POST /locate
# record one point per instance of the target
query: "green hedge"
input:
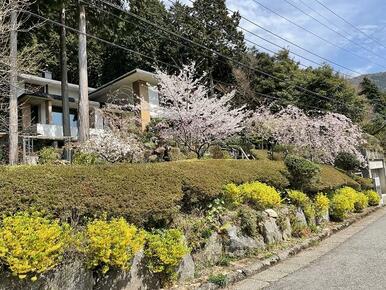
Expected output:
(135, 191)
(331, 179)
(138, 192)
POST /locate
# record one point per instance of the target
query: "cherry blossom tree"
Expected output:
(320, 136)
(193, 117)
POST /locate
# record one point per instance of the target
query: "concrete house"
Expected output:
(40, 106)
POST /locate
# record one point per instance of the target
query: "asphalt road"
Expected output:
(354, 258)
(357, 263)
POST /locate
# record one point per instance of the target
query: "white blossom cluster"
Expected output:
(320, 136)
(114, 147)
(194, 118)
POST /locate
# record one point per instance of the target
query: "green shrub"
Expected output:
(48, 155)
(347, 161)
(216, 152)
(302, 171)
(220, 280)
(365, 183)
(84, 158)
(322, 204)
(111, 244)
(331, 179)
(259, 154)
(164, 251)
(340, 207)
(258, 194)
(175, 154)
(31, 244)
(248, 221)
(197, 231)
(373, 197)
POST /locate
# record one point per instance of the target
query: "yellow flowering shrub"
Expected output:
(340, 206)
(361, 202)
(373, 197)
(232, 194)
(112, 244)
(31, 244)
(300, 199)
(322, 204)
(259, 194)
(350, 193)
(165, 251)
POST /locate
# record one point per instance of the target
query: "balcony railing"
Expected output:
(54, 132)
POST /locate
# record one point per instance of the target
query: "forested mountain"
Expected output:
(378, 78)
(151, 34)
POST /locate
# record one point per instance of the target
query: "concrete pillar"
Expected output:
(49, 112)
(26, 116)
(141, 92)
(43, 113)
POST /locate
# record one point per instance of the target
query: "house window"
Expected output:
(57, 117)
(153, 101)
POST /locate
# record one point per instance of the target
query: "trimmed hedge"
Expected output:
(331, 179)
(138, 192)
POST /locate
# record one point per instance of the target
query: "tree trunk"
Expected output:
(84, 123)
(13, 116)
(64, 76)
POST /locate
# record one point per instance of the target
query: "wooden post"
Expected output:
(84, 122)
(141, 91)
(13, 116)
(63, 66)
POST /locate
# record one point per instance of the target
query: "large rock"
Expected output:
(186, 269)
(212, 252)
(300, 217)
(71, 275)
(271, 213)
(238, 245)
(270, 230)
(323, 219)
(138, 278)
(285, 223)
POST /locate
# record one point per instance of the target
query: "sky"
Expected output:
(348, 50)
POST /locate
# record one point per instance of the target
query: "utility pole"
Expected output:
(64, 78)
(13, 123)
(84, 118)
(64, 75)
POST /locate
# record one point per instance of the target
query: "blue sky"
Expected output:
(366, 56)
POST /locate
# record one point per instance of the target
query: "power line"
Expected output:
(340, 34)
(352, 25)
(95, 37)
(324, 17)
(217, 81)
(167, 64)
(292, 43)
(218, 53)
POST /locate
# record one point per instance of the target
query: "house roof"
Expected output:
(44, 96)
(45, 81)
(128, 78)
